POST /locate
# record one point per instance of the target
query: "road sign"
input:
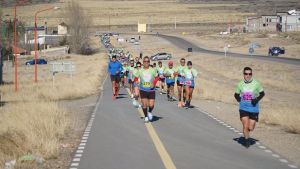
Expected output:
(62, 67)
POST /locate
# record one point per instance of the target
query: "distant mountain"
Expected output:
(8, 3)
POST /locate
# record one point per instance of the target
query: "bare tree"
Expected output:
(78, 23)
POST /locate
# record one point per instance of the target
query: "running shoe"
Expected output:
(150, 116)
(135, 103)
(132, 96)
(146, 120)
(179, 104)
(247, 143)
(114, 97)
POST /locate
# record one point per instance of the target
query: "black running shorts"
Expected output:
(115, 78)
(147, 95)
(252, 116)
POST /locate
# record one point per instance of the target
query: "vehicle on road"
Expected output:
(275, 51)
(132, 40)
(38, 61)
(161, 56)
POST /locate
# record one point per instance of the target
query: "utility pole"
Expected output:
(1, 66)
(175, 24)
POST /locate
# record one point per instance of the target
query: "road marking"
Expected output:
(160, 148)
(292, 166)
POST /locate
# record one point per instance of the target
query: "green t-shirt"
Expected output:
(160, 70)
(130, 71)
(146, 77)
(189, 74)
(249, 91)
(170, 75)
(179, 69)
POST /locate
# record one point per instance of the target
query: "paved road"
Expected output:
(184, 44)
(117, 138)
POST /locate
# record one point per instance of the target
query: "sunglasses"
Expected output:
(250, 74)
(138, 66)
(146, 61)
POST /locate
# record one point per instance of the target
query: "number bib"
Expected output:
(247, 96)
(146, 84)
(188, 82)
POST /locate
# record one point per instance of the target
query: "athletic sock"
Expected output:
(145, 111)
(150, 109)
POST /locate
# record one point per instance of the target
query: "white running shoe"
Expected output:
(150, 116)
(146, 120)
(132, 96)
(135, 103)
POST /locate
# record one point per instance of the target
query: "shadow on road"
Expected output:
(242, 141)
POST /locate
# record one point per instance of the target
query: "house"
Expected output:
(253, 24)
(62, 29)
(281, 22)
(269, 23)
(29, 33)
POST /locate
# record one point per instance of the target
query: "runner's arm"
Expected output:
(256, 100)
(237, 97)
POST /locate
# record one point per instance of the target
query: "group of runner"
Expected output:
(143, 78)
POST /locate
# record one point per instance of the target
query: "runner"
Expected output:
(129, 72)
(248, 93)
(136, 83)
(148, 79)
(114, 69)
(169, 73)
(160, 70)
(180, 83)
(189, 74)
(123, 73)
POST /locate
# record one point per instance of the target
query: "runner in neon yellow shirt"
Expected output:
(189, 74)
(160, 70)
(169, 73)
(180, 83)
(148, 79)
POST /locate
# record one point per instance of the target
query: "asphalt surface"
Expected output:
(119, 139)
(184, 44)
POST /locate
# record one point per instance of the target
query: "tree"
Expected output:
(78, 22)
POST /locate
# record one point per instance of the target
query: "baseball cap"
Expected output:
(170, 62)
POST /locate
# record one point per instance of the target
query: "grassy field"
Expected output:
(31, 122)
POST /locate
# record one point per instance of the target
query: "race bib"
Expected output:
(146, 84)
(189, 76)
(188, 82)
(247, 96)
(161, 76)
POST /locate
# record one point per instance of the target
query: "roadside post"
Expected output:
(251, 51)
(226, 50)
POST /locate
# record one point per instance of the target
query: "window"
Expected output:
(290, 27)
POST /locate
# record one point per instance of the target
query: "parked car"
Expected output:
(132, 40)
(161, 56)
(275, 51)
(38, 61)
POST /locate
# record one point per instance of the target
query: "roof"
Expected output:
(63, 24)
(31, 28)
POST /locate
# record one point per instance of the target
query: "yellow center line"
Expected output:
(160, 148)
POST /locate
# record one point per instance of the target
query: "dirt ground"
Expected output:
(216, 85)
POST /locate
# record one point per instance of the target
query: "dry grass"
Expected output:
(31, 120)
(132, 12)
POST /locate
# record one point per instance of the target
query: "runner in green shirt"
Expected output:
(180, 83)
(169, 73)
(189, 74)
(148, 79)
(160, 70)
(248, 93)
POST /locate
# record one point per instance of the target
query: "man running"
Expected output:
(114, 69)
(169, 73)
(248, 93)
(130, 77)
(123, 73)
(148, 79)
(160, 70)
(180, 83)
(189, 74)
